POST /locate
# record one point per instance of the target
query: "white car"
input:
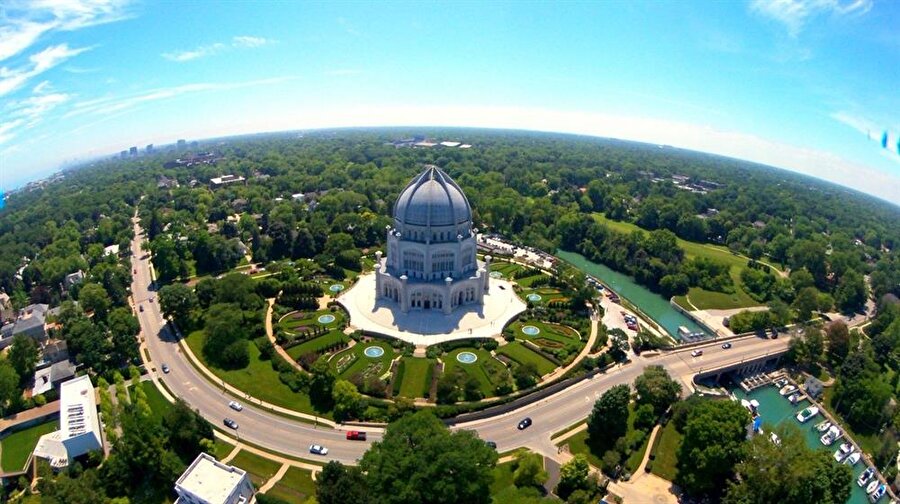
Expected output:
(318, 449)
(696, 353)
(236, 406)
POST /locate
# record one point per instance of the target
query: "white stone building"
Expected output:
(431, 262)
(208, 481)
(79, 425)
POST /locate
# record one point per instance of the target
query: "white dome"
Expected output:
(432, 199)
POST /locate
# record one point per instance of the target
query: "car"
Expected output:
(134, 271)
(230, 423)
(726, 345)
(141, 308)
(696, 353)
(525, 423)
(491, 444)
(318, 449)
(151, 299)
(501, 287)
(356, 435)
(236, 406)
(165, 368)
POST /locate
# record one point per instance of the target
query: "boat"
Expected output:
(754, 404)
(793, 398)
(853, 458)
(878, 493)
(823, 426)
(843, 451)
(787, 389)
(872, 486)
(834, 433)
(865, 476)
(781, 382)
(807, 413)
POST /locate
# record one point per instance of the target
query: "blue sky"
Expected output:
(808, 85)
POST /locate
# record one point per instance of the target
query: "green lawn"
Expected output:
(482, 370)
(258, 379)
(522, 354)
(223, 448)
(561, 334)
(259, 468)
(527, 281)
(159, 405)
(296, 485)
(507, 269)
(364, 363)
(317, 344)
(415, 376)
(547, 294)
(503, 476)
(578, 443)
(665, 451)
(703, 299)
(15, 448)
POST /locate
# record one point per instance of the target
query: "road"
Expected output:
(282, 435)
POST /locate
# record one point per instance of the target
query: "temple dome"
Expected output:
(432, 199)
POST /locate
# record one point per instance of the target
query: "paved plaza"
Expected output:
(429, 327)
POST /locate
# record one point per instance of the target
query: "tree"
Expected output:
(420, 461)
(806, 302)
(525, 375)
(338, 484)
(788, 473)
(23, 355)
(347, 400)
(529, 470)
(838, 337)
(93, 298)
(187, 430)
(609, 417)
(573, 475)
(851, 292)
(860, 393)
(655, 387)
(178, 301)
(9, 386)
(714, 437)
(321, 382)
(223, 332)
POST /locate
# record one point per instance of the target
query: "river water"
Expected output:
(653, 305)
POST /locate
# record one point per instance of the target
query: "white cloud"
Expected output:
(13, 79)
(23, 23)
(240, 42)
(794, 14)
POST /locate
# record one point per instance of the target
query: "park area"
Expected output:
(520, 353)
(413, 378)
(697, 298)
(581, 443)
(260, 469)
(506, 269)
(299, 322)
(296, 485)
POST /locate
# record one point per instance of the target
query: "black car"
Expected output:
(726, 345)
(491, 444)
(230, 423)
(525, 423)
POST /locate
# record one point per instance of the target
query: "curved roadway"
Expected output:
(282, 435)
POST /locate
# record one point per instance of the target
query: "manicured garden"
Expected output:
(414, 377)
(486, 370)
(523, 355)
(15, 448)
(296, 485)
(355, 360)
(259, 468)
(506, 269)
(299, 322)
(257, 379)
(318, 344)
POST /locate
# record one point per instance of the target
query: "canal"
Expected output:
(653, 305)
(776, 410)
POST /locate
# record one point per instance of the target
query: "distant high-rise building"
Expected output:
(123, 154)
(132, 151)
(182, 143)
(149, 148)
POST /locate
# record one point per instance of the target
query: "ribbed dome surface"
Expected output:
(432, 199)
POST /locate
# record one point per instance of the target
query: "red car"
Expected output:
(356, 435)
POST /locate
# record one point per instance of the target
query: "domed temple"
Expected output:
(431, 262)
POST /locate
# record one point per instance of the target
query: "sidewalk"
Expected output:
(577, 361)
(270, 333)
(28, 415)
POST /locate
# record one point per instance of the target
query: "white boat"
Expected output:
(834, 433)
(781, 382)
(872, 486)
(878, 493)
(793, 398)
(865, 476)
(787, 389)
(853, 458)
(754, 404)
(841, 453)
(807, 413)
(823, 426)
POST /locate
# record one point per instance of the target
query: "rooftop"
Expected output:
(78, 408)
(209, 479)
